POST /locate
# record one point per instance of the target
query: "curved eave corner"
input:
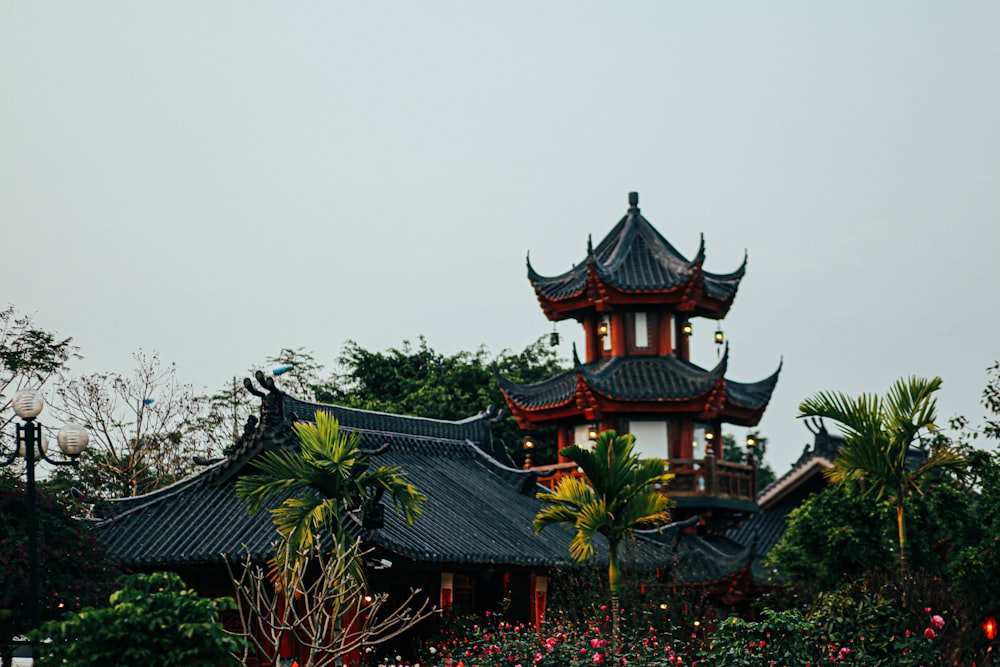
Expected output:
(761, 391)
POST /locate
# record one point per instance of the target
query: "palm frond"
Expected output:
(590, 520)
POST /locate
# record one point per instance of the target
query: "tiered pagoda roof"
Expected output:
(633, 384)
(635, 264)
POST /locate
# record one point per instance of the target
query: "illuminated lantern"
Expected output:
(990, 628)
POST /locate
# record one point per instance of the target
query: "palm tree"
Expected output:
(619, 496)
(319, 484)
(878, 434)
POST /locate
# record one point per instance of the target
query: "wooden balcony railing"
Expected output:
(693, 478)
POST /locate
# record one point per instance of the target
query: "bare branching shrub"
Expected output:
(319, 602)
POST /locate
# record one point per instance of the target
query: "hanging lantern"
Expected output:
(602, 328)
(990, 628)
(686, 329)
(592, 432)
(554, 338)
(719, 338)
(529, 442)
(751, 442)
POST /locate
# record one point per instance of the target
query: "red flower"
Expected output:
(929, 633)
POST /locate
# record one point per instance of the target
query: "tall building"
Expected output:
(637, 299)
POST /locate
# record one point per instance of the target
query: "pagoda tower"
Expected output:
(636, 296)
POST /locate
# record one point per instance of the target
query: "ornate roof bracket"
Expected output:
(586, 401)
(693, 291)
(597, 291)
(715, 402)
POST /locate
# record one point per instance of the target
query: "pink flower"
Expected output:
(604, 607)
(598, 658)
(929, 633)
(538, 657)
(927, 610)
(937, 622)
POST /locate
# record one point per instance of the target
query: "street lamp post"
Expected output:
(31, 443)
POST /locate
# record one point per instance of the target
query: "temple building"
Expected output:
(636, 297)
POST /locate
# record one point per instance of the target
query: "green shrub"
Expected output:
(153, 620)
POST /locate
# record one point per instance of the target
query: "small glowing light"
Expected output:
(368, 599)
(751, 443)
(990, 628)
(687, 328)
(664, 606)
(529, 442)
(719, 337)
(709, 436)
(697, 624)
(602, 329)
(592, 432)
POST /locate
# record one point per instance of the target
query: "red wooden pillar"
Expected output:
(565, 439)
(686, 448)
(683, 340)
(594, 341)
(665, 339)
(617, 334)
(447, 591)
(539, 590)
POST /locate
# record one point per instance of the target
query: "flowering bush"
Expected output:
(850, 626)
(845, 627)
(497, 643)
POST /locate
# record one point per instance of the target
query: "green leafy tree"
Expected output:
(75, 568)
(423, 382)
(619, 495)
(879, 433)
(330, 476)
(29, 357)
(833, 536)
(153, 620)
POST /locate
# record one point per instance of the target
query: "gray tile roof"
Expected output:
(634, 257)
(478, 510)
(640, 378)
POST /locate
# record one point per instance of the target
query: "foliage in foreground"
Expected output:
(333, 615)
(320, 484)
(495, 642)
(879, 432)
(77, 571)
(621, 493)
(153, 620)
(849, 626)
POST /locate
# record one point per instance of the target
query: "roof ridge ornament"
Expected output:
(590, 245)
(633, 202)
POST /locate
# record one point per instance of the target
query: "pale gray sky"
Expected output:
(217, 180)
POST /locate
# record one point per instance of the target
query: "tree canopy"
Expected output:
(29, 357)
(421, 381)
(879, 432)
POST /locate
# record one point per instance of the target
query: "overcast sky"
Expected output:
(218, 180)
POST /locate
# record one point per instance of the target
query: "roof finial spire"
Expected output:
(633, 201)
